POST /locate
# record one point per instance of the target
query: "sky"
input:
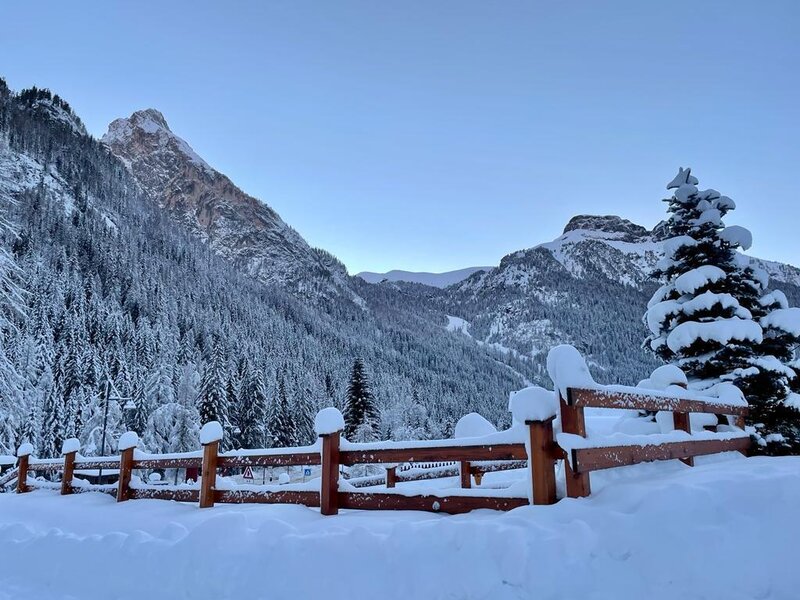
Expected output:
(434, 135)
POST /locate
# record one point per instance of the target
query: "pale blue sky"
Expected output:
(437, 135)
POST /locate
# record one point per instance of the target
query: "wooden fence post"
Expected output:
(572, 421)
(541, 462)
(478, 475)
(125, 469)
(69, 469)
(23, 456)
(682, 422)
(127, 444)
(391, 477)
(208, 477)
(466, 479)
(740, 423)
(329, 492)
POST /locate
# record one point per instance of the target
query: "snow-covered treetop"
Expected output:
(128, 440)
(473, 425)
(683, 177)
(211, 432)
(328, 420)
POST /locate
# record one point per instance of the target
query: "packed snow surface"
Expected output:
(473, 425)
(533, 403)
(70, 445)
(658, 531)
(328, 420)
(211, 432)
(128, 440)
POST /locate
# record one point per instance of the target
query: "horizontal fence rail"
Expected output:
(601, 398)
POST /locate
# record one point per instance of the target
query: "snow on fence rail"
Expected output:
(576, 390)
(531, 443)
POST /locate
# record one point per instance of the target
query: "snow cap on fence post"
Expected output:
(70, 445)
(25, 449)
(567, 368)
(663, 377)
(328, 420)
(211, 432)
(128, 440)
(532, 403)
(473, 425)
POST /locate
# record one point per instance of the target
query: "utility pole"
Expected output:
(108, 397)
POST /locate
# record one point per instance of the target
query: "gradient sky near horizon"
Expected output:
(438, 135)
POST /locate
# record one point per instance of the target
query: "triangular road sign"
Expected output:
(248, 473)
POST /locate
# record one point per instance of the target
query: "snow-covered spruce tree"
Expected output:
(361, 417)
(254, 409)
(304, 411)
(712, 316)
(281, 423)
(212, 398)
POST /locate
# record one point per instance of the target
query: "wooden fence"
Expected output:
(538, 452)
(579, 462)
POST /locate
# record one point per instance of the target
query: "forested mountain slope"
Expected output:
(112, 287)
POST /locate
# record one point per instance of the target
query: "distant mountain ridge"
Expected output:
(439, 280)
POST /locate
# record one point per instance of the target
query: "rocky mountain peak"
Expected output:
(207, 203)
(147, 132)
(606, 223)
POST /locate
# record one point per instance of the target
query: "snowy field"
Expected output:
(726, 528)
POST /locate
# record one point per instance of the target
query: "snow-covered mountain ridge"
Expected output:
(589, 287)
(439, 280)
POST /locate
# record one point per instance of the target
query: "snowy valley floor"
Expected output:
(727, 528)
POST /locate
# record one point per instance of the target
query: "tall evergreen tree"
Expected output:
(361, 417)
(304, 411)
(282, 428)
(712, 317)
(255, 408)
(212, 398)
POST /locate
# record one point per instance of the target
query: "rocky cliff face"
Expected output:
(206, 202)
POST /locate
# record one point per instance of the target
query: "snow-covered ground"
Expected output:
(726, 528)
